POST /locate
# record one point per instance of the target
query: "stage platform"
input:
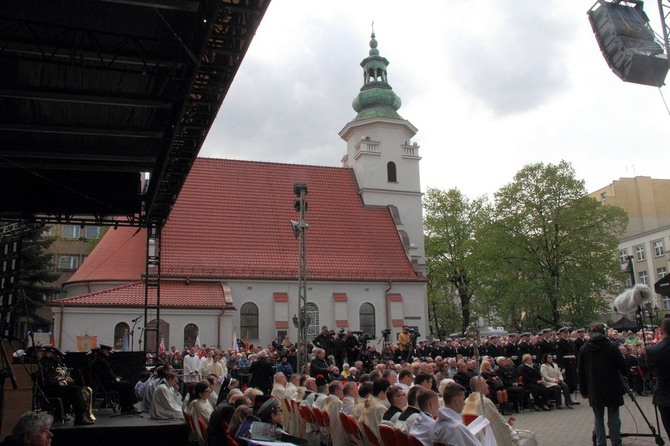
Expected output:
(126, 430)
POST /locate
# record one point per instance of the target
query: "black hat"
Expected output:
(106, 347)
(267, 409)
(511, 335)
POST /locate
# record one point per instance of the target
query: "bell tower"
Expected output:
(384, 158)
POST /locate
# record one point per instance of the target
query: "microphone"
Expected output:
(632, 298)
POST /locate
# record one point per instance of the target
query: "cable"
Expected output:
(664, 101)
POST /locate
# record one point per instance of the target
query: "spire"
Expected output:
(376, 99)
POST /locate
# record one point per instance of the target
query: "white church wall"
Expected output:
(100, 322)
(330, 312)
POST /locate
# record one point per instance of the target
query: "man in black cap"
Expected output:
(102, 370)
(511, 347)
(56, 382)
(566, 358)
(523, 348)
(449, 351)
(494, 348)
(545, 344)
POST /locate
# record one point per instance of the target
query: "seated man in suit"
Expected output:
(102, 369)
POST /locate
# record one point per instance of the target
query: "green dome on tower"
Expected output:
(376, 99)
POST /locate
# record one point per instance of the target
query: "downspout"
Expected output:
(60, 328)
(386, 302)
(218, 327)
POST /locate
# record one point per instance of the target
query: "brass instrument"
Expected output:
(87, 394)
(63, 374)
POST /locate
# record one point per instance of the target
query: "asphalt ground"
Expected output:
(575, 427)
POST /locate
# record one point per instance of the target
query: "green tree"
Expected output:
(555, 246)
(35, 271)
(451, 224)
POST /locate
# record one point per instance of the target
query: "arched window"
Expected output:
(367, 319)
(249, 321)
(163, 333)
(190, 335)
(312, 313)
(391, 175)
(121, 336)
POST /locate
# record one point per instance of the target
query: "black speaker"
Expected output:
(627, 43)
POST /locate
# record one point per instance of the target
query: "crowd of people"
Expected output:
(423, 389)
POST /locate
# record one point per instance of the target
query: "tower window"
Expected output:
(391, 172)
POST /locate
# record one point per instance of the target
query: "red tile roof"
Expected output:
(232, 220)
(173, 295)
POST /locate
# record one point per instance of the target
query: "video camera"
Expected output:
(363, 338)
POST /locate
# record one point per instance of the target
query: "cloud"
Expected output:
(290, 105)
(516, 63)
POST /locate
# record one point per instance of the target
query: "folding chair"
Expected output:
(110, 397)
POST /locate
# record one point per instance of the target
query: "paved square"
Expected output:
(574, 427)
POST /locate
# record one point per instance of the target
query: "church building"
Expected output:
(230, 258)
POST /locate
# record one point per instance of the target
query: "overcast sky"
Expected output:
(491, 86)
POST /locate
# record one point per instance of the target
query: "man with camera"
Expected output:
(352, 346)
(324, 340)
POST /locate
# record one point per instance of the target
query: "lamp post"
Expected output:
(631, 270)
(299, 228)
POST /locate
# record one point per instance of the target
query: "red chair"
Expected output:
(371, 437)
(401, 438)
(306, 414)
(191, 427)
(320, 420)
(203, 429)
(388, 435)
(231, 440)
(351, 428)
(413, 441)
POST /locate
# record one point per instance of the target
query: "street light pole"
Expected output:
(299, 228)
(631, 270)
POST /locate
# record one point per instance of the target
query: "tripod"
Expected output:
(659, 440)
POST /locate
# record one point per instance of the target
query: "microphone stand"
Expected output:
(132, 334)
